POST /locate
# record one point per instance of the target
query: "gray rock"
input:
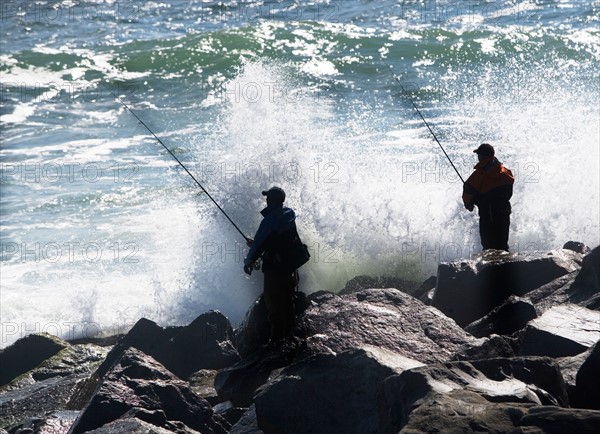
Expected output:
(588, 379)
(48, 387)
(577, 247)
(247, 424)
(585, 290)
(468, 290)
(552, 293)
(509, 317)
(203, 344)
(360, 283)
(462, 411)
(328, 393)
(131, 426)
(27, 353)
(427, 290)
(490, 347)
(386, 318)
(238, 382)
(254, 331)
(569, 367)
(464, 389)
(139, 387)
(561, 331)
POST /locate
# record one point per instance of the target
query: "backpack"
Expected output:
(290, 253)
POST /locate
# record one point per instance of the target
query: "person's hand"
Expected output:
(470, 207)
(248, 268)
(249, 242)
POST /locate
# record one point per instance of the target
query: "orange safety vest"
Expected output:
(490, 179)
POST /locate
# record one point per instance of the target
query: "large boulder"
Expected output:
(40, 396)
(463, 411)
(585, 290)
(386, 318)
(463, 387)
(509, 317)
(562, 331)
(328, 393)
(203, 344)
(138, 387)
(467, 290)
(569, 368)
(360, 283)
(588, 379)
(27, 353)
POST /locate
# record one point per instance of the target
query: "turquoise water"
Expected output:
(100, 227)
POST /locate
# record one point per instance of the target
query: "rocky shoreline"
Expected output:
(501, 343)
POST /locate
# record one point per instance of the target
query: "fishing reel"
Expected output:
(257, 264)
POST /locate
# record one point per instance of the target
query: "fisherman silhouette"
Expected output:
(275, 235)
(490, 187)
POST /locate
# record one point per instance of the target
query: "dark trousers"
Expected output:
(279, 301)
(493, 228)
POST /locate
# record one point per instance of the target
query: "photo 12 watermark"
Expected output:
(68, 172)
(225, 252)
(66, 91)
(69, 252)
(433, 253)
(437, 171)
(72, 12)
(11, 331)
(271, 171)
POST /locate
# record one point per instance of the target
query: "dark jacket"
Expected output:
(490, 187)
(275, 232)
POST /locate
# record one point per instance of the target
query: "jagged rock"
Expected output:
(588, 379)
(487, 348)
(54, 423)
(48, 387)
(462, 411)
(468, 290)
(576, 246)
(509, 317)
(254, 331)
(203, 384)
(329, 393)
(139, 387)
(247, 424)
(203, 344)
(238, 382)
(569, 367)
(552, 293)
(426, 290)
(463, 387)
(585, 290)
(561, 331)
(131, 426)
(27, 353)
(386, 318)
(360, 283)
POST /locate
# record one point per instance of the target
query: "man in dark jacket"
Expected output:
(490, 187)
(275, 233)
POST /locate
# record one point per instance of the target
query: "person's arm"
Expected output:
(469, 193)
(258, 245)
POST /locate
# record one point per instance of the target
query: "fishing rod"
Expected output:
(423, 118)
(184, 168)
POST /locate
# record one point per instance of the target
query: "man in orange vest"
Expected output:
(490, 187)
